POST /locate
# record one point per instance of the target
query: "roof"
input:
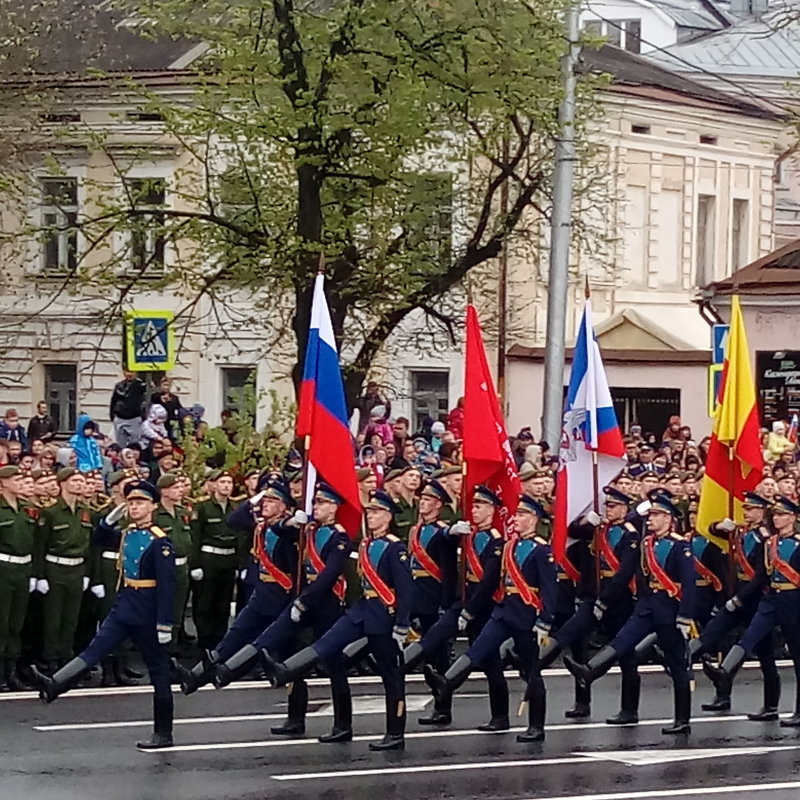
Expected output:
(675, 327)
(767, 47)
(694, 14)
(777, 271)
(612, 356)
(76, 36)
(638, 76)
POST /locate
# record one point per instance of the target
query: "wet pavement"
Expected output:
(82, 747)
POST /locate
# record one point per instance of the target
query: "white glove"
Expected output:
(542, 631)
(32, 585)
(296, 611)
(164, 637)
(732, 605)
(242, 574)
(643, 508)
(196, 574)
(462, 528)
(399, 634)
(257, 498)
(86, 583)
(599, 609)
(99, 591)
(297, 519)
(685, 629)
(464, 620)
(116, 513)
(42, 586)
(593, 518)
(727, 525)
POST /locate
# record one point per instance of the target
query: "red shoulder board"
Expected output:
(85, 517)
(32, 512)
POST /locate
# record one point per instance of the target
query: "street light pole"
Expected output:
(560, 238)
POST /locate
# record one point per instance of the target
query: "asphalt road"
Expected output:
(82, 747)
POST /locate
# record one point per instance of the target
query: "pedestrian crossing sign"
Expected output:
(149, 341)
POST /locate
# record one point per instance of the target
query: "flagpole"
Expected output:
(595, 486)
(731, 512)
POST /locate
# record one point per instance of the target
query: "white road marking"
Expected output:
(362, 680)
(696, 791)
(360, 773)
(646, 758)
(446, 733)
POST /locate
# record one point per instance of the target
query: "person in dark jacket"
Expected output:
(42, 425)
(125, 409)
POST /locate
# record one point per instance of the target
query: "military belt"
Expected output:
(511, 590)
(132, 583)
(179, 562)
(607, 573)
(783, 587)
(111, 555)
(370, 593)
(64, 562)
(420, 573)
(218, 551)
(265, 577)
(15, 559)
(702, 582)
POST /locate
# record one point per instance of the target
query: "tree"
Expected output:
(403, 145)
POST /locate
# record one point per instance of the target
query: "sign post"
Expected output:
(149, 341)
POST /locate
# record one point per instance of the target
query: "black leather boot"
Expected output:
(3, 681)
(537, 707)
(162, 725)
(583, 702)
(445, 685)
(498, 705)
(297, 666)
(412, 657)
(13, 679)
(62, 680)
(549, 653)
(342, 730)
(199, 675)
(629, 701)
(723, 675)
(226, 672)
(120, 675)
(394, 739)
(295, 723)
(683, 709)
(597, 665)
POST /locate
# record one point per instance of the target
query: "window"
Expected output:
(146, 197)
(643, 129)
(428, 217)
(707, 139)
(650, 408)
(239, 391)
(60, 387)
(739, 233)
(625, 33)
(429, 396)
(704, 249)
(59, 217)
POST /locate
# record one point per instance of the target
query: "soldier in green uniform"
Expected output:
(18, 522)
(176, 521)
(62, 550)
(452, 478)
(45, 488)
(217, 551)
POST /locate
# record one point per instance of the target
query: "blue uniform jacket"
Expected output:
(431, 595)
(771, 580)
(334, 547)
(751, 543)
(578, 553)
(624, 542)
(388, 555)
(147, 556)
(710, 556)
(279, 542)
(489, 548)
(674, 555)
(535, 560)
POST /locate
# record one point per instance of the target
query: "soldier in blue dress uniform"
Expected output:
(382, 615)
(711, 566)
(434, 567)
(483, 555)
(665, 586)
(777, 583)
(275, 549)
(142, 612)
(319, 606)
(616, 547)
(748, 556)
(525, 614)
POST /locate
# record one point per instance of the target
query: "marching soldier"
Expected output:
(434, 567)
(777, 583)
(319, 605)
(275, 549)
(747, 552)
(18, 525)
(483, 555)
(711, 568)
(63, 544)
(526, 611)
(176, 522)
(665, 585)
(617, 549)
(217, 552)
(382, 615)
(142, 612)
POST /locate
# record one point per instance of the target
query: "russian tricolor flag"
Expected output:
(590, 428)
(322, 416)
